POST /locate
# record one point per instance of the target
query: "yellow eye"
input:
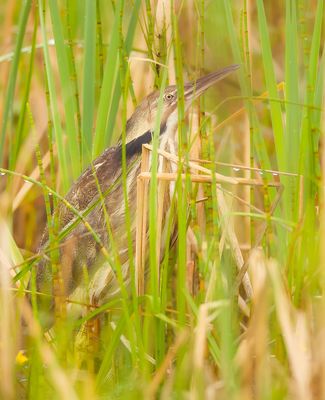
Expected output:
(169, 96)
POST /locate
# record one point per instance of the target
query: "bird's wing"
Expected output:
(76, 245)
(103, 172)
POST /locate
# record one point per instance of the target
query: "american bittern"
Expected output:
(79, 251)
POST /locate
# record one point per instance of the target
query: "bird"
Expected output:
(87, 275)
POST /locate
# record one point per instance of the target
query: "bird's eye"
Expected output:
(169, 96)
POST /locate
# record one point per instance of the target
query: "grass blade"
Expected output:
(13, 74)
(89, 81)
(67, 90)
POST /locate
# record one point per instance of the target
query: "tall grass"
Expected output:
(234, 308)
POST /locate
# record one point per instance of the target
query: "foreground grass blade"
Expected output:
(69, 99)
(89, 81)
(258, 141)
(64, 159)
(292, 111)
(271, 85)
(117, 91)
(106, 98)
(13, 74)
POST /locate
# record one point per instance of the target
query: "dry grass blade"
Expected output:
(166, 364)
(58, 375)
(252, 356)
(173, 158)
(232, 240)
(295, 334)
(8, 334)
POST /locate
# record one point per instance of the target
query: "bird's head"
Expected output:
(144, 117)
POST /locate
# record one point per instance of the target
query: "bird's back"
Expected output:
(100, 189)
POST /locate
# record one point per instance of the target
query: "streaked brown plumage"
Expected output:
(79, 250)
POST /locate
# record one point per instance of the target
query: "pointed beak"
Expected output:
(194, 89)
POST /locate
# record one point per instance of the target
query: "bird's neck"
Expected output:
(134, 146)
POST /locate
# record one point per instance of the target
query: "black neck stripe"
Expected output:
(134, 147)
